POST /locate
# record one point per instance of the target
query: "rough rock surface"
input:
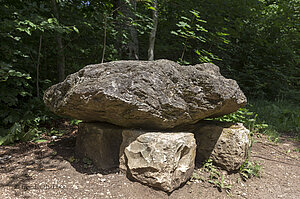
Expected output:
(149, 94)
(161, 160)
(226, 144)
(100, 142)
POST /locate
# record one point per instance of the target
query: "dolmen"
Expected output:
(147, 118)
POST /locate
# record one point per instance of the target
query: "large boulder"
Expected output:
(226, 144)
(162, 160)
(99, 142)
(149, 94)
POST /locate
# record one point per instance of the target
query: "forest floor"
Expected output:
(51, 170)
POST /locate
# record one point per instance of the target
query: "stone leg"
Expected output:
(226, 144)
(160, 159)
(99, 142)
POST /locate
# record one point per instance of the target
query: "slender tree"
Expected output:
(60, 53)
(134, 42)
(153, 32)
(125, 27)
(38, 67)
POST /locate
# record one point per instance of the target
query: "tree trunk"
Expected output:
(60, 59)
(132, 48)
(134, 43)
(104, 39)
(60, 53)
(38, 68)
(117, 16)
(153, 32)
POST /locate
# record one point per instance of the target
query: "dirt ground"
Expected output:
(51, 170)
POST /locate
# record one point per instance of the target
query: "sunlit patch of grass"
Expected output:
(272, 118)
(281, 116)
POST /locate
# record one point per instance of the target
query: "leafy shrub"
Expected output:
(21, 113)
(14, 89)
(245, 116)
(26, 127)
(249, 169)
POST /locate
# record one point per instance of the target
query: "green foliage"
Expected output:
(19, 120)
(246, 117)
(22, 131)
(191, 29)
(72, 159)
(14, 89)
(86, 160)
(282, 116)
(75, 122)
(273, 118)
(263, 55)
(55, 132)
(221, 185)
(213, 171)
(249, 169)
(196, 176)
(253, 42)
(21, 24)
(215, 177)
(297, 149)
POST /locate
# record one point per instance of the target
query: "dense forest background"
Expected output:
(255, 42)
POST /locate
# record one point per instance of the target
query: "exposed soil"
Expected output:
(51, 170)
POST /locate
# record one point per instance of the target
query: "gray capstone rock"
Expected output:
(148, 94)
(99, 142)
(161, 160)
(226, 144)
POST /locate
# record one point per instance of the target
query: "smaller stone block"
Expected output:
(226, 144)
(162, 160)
(100, 142)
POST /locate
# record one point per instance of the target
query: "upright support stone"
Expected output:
(162, 160)
(100, 142)
(226, 144)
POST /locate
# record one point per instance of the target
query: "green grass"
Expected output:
(281, 116)
(273, 118)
